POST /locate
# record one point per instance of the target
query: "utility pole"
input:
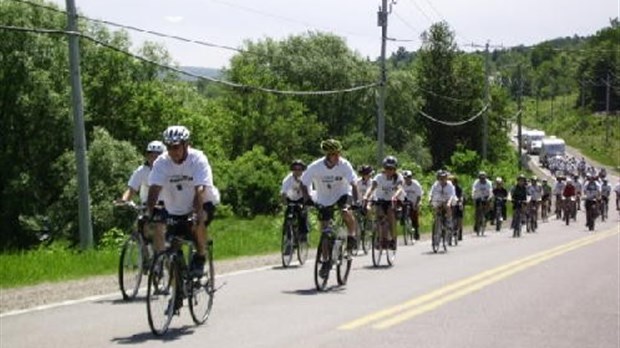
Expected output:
(86, 230)
(519, 112)
(382, 21)
(487, 99)
(608, 83)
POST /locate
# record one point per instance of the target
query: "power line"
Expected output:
(187, 73)
(453, 124)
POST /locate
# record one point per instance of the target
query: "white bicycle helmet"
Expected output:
(175, 135)
(155, 146)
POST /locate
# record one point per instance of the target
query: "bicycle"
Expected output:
(170, 281)
(481, 221)
(406, 223)
(544, 210)
(381, 242)
(569, 210)
(498, 216)
(604, 208)
(532, 215)
(441, 226)
(591, 211)
(292, 242)
(363, 235)
(332, 250)
(136, 255)
(517, 218)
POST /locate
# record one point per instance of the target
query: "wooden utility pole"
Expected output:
(519, 112)
(382, 21)
(86, 230)
(487, 100)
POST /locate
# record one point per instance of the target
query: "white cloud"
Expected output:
(173, 19)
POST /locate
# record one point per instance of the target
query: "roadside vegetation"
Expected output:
(251, 136)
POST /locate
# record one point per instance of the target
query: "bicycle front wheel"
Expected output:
(320, 280)
(407, 231)
(377, 249)
(130, 267)
(201, 294)
(436, 235)
(302, 249)
(287, 247)
(161, 293)
(345, 260)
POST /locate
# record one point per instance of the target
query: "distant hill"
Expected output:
(201, 71)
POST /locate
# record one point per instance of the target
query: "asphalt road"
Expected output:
(555, 288)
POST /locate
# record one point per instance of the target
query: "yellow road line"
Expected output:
(436, 298)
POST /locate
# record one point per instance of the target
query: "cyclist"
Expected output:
(388, 183)
(558, 190)
(592, 192)
(363, 184)
(481, 192)
(291, 193)
(617, 191)
(535, 192)
(569, 192)
(181, 176)
(605, 191)
(411, 191)
(335, 182)
(546, 194)
(458, 206)
(138, 184)
(578, 190)
(499, 192)
(519, 196)
(442, 194)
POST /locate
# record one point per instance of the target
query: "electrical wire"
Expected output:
(187, 73)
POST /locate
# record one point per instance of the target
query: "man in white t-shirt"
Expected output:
(334, 180)
(182, 178)
(411, 192)
(139, 180)
(386, 189)
(291, 192)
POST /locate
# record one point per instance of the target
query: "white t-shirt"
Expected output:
(617, 189)
(178, 181)
(481, 190)
(291, 187)
(330, 183)
(591, 190)
(386, 187)
(441, 194)
(139, 182)
(362, 188)
(412, 191)
(535, 191)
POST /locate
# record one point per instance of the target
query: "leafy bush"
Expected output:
(252, 183)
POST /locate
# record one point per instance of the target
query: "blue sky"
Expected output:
(230, 22)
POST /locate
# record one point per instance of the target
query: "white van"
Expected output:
(532, 137)
(551, 147)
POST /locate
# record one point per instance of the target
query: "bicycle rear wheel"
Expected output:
(130, 267)
(201, 293)
(377, 248)
(287, 247)
(302, 250)
(321, 282)
(366, 238)
(407, 231)
(161, 293)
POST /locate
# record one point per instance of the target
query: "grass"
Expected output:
(233, 237)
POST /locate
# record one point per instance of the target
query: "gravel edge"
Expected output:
(49, 293)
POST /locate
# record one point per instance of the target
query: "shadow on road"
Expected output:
(335, 289)
(173, 334)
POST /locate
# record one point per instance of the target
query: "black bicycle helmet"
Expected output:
(365, 170)
(390, 162)
(298, 163)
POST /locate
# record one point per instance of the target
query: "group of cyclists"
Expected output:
(175, 186)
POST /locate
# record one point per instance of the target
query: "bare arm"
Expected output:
(152, 198)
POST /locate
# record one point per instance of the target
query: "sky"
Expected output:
(504, 23)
